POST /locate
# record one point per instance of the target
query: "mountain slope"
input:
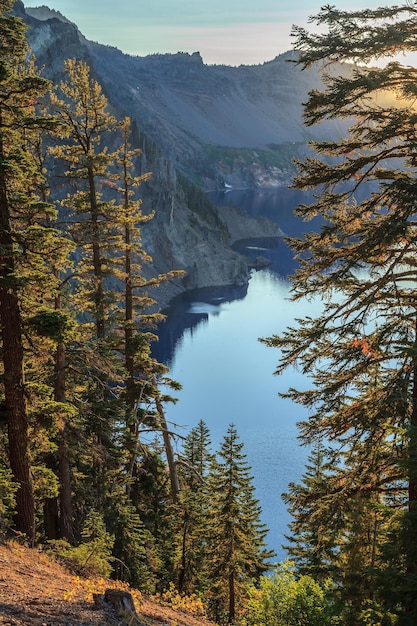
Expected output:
(188, 108)
(208, 125)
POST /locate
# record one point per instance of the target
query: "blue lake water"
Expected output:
(211, 343)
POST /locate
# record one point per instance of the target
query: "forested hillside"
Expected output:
(187, 231)
(89, 464)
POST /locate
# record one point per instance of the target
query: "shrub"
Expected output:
(93, 556)
(181, 602)
(282, 599)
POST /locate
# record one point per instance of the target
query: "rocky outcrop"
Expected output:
(215, 126)
(239, 125)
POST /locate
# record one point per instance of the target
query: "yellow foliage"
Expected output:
(85, 588)
(180, 602)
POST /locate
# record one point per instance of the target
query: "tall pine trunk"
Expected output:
(14, 391)
(231, 616)
(172, 467)
(65, 498)
(97, 260)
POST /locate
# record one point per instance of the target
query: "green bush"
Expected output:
(282, 599)
(93, 556)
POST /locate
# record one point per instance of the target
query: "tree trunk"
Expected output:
(66, 530)
(65, 498)
(129, 353)
(231, 616)
(97, 262)
(181, 575)
(173, 474)
(15, 401)
(124, 605)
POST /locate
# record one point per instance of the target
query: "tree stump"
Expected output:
(123, 603)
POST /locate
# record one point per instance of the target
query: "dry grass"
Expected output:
(37, 591)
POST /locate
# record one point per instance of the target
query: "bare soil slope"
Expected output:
(36, 591)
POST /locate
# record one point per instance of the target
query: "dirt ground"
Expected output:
(36, 591)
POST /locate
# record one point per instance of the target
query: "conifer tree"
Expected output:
(107, 231)
(151, 497)
(313, 537)
(142, 373)
(86, 124)
(52, 327)
(194, 466)
(21, 236)
(236, 549)
(87, 129)
(360, 352)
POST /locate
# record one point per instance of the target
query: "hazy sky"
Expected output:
(232, 32)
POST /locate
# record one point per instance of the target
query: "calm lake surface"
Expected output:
(211, 343)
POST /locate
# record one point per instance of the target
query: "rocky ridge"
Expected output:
(215, 126)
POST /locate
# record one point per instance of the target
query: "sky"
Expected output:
(230, 32)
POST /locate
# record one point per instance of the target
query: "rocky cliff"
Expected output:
(207, 126)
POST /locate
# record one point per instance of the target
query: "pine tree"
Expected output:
(194, 465)
(236, 549)
(313, 540)
(151, 497)
(143, 374)
(22, 234)
(361, 351)
(86, 131)
(86, 124)
(52, 326)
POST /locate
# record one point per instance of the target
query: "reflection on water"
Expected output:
(211, 343)
(187, 311)
(276, 205)
(227, 376)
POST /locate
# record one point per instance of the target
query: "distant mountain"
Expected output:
(45, 13)
(242, 125)
(200, 127)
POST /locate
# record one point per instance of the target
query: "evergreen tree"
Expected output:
(86, 124)
(22, 237)
(151, 497)
(143, 374)
(236, 549)
(194, 466)
(52, 327)
(313, 537)
(86, 131)
(134, 551)
(361, 351)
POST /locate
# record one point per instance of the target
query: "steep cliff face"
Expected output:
(236, 125)
(239, 125)
(215, 125)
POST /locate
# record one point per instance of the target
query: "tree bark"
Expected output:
(97, 261)
(231, 616)
(66, 530)
(14, 391)
(173, 474)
